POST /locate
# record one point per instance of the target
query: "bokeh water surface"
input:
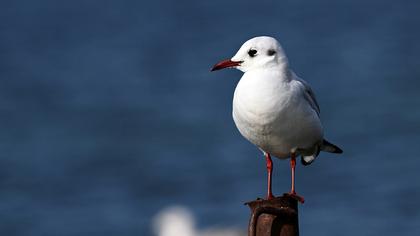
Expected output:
(108, 113)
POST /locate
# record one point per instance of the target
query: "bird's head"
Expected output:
(256, 53)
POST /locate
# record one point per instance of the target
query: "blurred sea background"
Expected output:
(109, 114)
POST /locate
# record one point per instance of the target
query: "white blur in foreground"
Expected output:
(179, 221)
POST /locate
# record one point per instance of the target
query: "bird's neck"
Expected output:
(278, 71)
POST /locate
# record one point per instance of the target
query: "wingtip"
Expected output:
(307, 160)
(304, 162)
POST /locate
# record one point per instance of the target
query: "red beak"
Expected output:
(225, 64)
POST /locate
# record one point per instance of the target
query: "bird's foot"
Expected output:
(270, 196)
(295, 196)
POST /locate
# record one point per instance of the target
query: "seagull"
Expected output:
(275, 109)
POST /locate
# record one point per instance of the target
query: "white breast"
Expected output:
(270, 112)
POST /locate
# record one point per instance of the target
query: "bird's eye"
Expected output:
(252, 52)
(271, 52)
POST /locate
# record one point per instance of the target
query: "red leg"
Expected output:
(269, 171)
(293, 167)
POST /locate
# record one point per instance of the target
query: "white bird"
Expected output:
(275, 109)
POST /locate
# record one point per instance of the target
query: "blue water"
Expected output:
(108, 113)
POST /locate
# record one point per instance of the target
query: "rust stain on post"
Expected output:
(275, 217)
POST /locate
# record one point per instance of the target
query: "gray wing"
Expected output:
(309, 95)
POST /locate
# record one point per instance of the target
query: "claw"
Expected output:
(270, 196)
(295, 196)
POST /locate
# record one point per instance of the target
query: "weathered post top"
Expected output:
(274, 217)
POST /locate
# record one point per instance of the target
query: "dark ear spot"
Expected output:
(252, 52)
(271, 52)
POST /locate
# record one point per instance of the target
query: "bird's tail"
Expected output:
(326, 147)
(329, 147)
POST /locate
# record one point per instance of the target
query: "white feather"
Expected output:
(269, 105)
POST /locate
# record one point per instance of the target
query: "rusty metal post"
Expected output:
(275, 217)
